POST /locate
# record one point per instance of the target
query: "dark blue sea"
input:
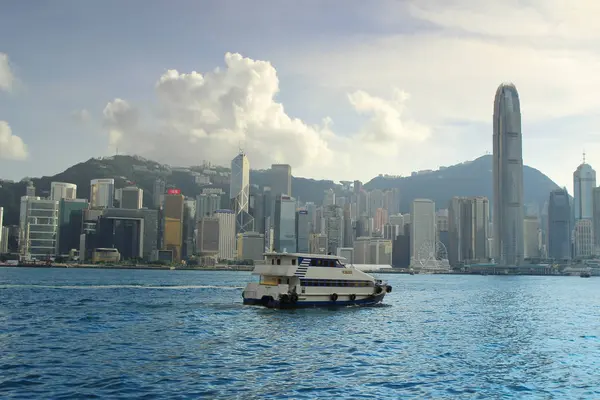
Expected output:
(86, 333)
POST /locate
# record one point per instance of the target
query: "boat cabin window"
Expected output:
(272, 261)
(316, 262)
(293, 261)
(279, 261)
(269, 280)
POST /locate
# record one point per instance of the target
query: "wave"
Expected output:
(99, 287)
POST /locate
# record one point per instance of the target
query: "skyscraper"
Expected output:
(423, 230)
(281, 179)
(239, 193)
(102, 193)
(584, 181)
(508, 177)
(63, 190)
(132, 197)
(173, 223)
(285, 224)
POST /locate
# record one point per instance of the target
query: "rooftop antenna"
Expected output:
(584, 156)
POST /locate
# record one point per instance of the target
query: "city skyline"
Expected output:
(89, 104)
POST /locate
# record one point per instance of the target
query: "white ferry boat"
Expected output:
(294, 280)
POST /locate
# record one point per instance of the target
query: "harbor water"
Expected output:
(90, 333)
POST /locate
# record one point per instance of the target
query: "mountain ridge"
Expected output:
(471, 178)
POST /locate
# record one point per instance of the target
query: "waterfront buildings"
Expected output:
(303, 226)
(508, 177)
(70, 222)
(38, 223)
(531, 236)
(173, 223)
(207, 242)
(559, 225)
(250, 246)
(227, 235)
(468, 234)
(423, 230)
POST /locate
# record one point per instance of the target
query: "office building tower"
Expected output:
(357, 187)
(227, 235)
(70, 223)
(347, 253)
(531, 236)
(348, 226)
(4, 235)
(584, 181)
(158, 193)
(102, 193)
(173, 223)
(468, 230)
(596, 219)
(559, 225)
(189, 227)
(239, 193)
(329, 198)
(207, 204)
(318, 243)
(508, 177)
(584, 238)
(281, 179)
(302, 231)
(38, 225)
(250, 246)
(132, 198)
(423, 233)
(381, 218)
(375, 202)
(2, 238)
(285, 224)
(380, 251)
(63, 190)
(207, 241)
(334, 228)
(134, 232)
(257, 209)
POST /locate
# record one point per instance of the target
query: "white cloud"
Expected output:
(206, 117)
(11, 146)
(6, 75)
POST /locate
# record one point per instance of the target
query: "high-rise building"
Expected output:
(318, 243)
(189, 227)
(158, 193)
(329, 198)
(70, 223)
(135, 230)
(596, 219)
(584, 181)
(375, 202)
(173, 223)
(239, 193)
(226, 234)
(63, 190)
(302, 231)
(281, 179)
(334, 228)
(559, 225)
(423, 230)
(285, 224)
(132, 198)
(38, 227)
(584, 239)
(348, 226)
(250, 246)
(207, 242)
(207, 204)
(4, 239)
(508, 177)
(468, 224)
(2, 230)
(102, 193)
(531, 235)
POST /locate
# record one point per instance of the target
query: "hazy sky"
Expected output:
(339, 89)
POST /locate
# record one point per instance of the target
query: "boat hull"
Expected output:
(271, 303)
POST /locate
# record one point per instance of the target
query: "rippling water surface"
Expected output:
(72, 333)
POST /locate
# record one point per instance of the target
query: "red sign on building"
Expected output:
(174, 191)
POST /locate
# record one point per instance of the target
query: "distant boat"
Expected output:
(585, 274)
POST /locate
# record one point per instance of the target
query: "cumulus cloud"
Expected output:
(6, 75)
(11, 146)
(208, 116)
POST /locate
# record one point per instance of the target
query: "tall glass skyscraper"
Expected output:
(584, 181)
(508, 177)
(239, 193)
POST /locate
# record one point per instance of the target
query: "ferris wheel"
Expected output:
(432, 255)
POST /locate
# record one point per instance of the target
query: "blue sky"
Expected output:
(337, 89)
